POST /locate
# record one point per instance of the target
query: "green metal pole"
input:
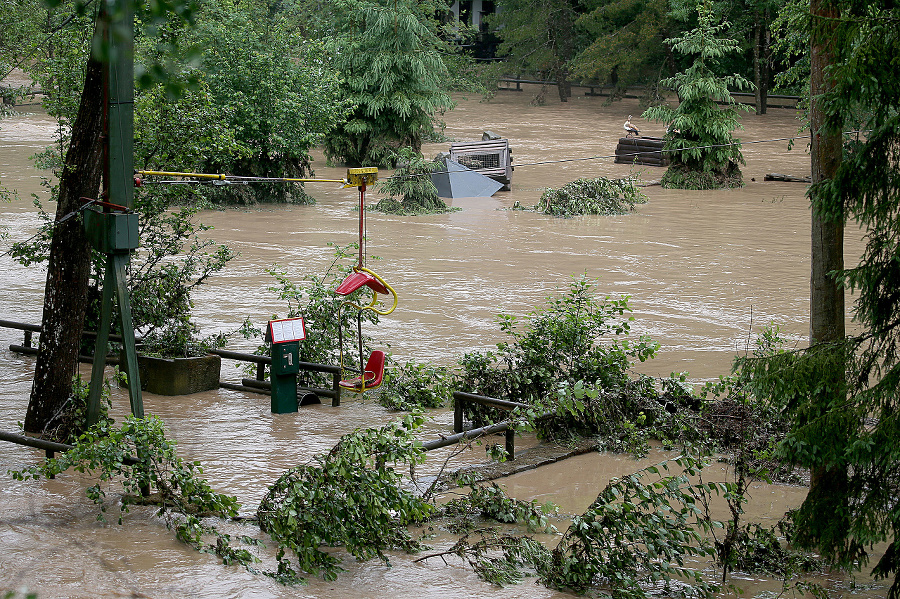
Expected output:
(120, 261)
(121, 109)
(100, 349)
(119, 187)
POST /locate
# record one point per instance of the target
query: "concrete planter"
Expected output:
(178, 376)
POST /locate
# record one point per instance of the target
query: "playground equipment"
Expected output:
(371, 371)
(285, 335)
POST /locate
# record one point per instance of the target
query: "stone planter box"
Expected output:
(178, 376)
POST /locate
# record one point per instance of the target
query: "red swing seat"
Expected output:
(357, 279)
(374, 374)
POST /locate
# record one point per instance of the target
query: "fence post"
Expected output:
(336, 387)
(457, 414)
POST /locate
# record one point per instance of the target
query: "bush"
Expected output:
(592, 196)
(574, 337)
(412, 183)
(413, 385)
(350, 497)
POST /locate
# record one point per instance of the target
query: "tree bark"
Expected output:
(65, 294)
(761, 56)
(824, 501)
(826, 294)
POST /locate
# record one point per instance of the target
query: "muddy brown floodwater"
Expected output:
(704, 270)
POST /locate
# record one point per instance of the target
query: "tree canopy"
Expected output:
(391, 64)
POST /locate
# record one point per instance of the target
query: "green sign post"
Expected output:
(285, 336)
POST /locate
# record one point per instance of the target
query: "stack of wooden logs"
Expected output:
(645, 151)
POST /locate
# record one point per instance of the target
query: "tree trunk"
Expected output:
(827, 315)
(564, 86)
(65, 294)
(826, 294)
(761, 56)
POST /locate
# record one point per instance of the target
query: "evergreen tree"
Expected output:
(704, 153)
(393, 72)
(844, 394)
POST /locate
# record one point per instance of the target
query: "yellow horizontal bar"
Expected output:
(220, 177)
(224, 177)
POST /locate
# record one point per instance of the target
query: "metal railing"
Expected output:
(460, 399)
(30, 329)
(262, 386)
(597, 89)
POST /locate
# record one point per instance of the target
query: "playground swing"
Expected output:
(371, 371)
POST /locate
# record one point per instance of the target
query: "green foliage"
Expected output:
(500, 558)
(592, 196)
(761, 550)
(138, 457)
(70, 421)
(623, 416)
(626, 46)
(183, 134)
(791, 30)
(179, 339)
(704, 153)
(639, 533)
(842, 397)
(176, 256)
(491, 501)
(351, 497)
(739, 416)
(412, 183)
(415, 385)
(273, 89)
(539, 36)
(633, 540)
(574, 337)
(393, 73)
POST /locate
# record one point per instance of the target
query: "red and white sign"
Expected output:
(287, 329)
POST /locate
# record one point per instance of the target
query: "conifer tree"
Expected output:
(843, 394)
(704, 153)
(393, 71)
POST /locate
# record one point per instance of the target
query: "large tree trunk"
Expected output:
(826, 294)
(65, 294)
(824, 501)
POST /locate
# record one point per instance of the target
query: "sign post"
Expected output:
(285, 337)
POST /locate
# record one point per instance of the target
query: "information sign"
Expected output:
(288, 329)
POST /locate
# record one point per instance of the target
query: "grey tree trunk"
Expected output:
(65, 294)
(826, 295)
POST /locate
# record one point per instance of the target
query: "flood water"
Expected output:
(704, 270)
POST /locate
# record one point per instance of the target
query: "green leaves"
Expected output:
(351, 497)
(411, 182)
(592, 196)
(138, 457)
(637, 532)
(570, 359)
(393, 73)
